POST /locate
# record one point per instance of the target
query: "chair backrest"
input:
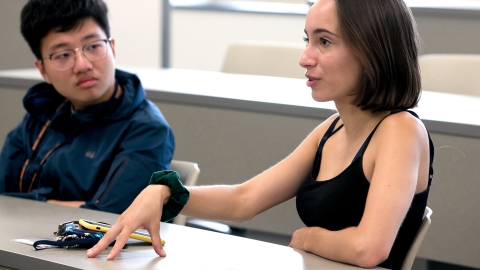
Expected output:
(412, 252)
(188, 172)
(264, 58)
(451, 73)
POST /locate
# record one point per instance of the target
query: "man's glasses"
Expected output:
(93, 51)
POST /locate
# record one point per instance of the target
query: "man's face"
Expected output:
(86, 83)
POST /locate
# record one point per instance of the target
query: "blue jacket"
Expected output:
(103, 155)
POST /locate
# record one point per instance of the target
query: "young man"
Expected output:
(89, 139)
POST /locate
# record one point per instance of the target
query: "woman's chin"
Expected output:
(320, 98)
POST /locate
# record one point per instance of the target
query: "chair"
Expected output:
(412, 252)
(188, 172)
(264, 58)
(451, 73)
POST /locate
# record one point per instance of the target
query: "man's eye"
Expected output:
(94, 46)
(61, 56)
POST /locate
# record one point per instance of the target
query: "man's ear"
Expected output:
(112, 44)
(41, 68)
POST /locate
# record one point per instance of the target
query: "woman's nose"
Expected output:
(306, 59)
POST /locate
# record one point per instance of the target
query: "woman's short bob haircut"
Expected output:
(383, 35)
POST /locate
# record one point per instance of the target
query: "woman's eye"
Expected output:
(324, 42)
(305, 39)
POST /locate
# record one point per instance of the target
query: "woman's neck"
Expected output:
(357, 121)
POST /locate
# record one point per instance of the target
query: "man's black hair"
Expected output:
(38, 17)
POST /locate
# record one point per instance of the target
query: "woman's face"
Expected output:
(333, 71)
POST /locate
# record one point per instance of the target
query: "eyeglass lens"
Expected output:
(93, 51)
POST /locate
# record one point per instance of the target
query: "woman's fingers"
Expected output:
(106, 240)
(144, 212)
(154, 231)
(121, 241)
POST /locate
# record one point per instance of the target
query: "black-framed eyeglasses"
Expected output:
(93, 51)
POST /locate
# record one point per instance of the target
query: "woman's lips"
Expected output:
(312, 81)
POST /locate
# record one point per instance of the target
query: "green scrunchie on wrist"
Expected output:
(179, 194)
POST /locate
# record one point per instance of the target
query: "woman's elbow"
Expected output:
(245, 208)
(240, 219)
(371, 256)
(244, 214)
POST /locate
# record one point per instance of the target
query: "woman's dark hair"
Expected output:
(38, 17)
(383, 35)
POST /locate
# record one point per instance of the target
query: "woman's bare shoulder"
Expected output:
(403, 127)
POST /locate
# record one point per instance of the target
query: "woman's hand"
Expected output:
(299, 238)
(144, 213)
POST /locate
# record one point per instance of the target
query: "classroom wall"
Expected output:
(448, 33)
(199, 38)
(14, 51)
(135, 25)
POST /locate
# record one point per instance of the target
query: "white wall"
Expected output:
(14, 52)
(278, 1)
(200, 38)
(136, 27)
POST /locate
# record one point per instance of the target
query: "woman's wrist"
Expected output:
(165, 193)
(309, 235)
(172, 193)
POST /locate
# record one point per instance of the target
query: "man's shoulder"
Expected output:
(148, 114)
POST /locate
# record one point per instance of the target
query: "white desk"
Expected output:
(187, 248)
(236, 126)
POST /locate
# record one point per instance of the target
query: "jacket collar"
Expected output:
(43, 101)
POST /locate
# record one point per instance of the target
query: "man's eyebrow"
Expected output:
(88, 37)
(64, 44)
(57, 46)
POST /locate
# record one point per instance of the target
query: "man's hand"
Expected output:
(67, 203)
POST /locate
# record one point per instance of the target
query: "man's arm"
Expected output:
(12, 157)
(67, 203)
(145, 149)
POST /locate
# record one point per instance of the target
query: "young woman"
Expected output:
(362, 177)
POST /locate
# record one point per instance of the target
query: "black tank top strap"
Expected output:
(367, 141)
(318, 156)
(430, 143)
(337, 129)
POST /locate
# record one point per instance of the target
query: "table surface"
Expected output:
(441, 112)
(186, 248)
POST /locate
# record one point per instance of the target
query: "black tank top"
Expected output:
(339, 203)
